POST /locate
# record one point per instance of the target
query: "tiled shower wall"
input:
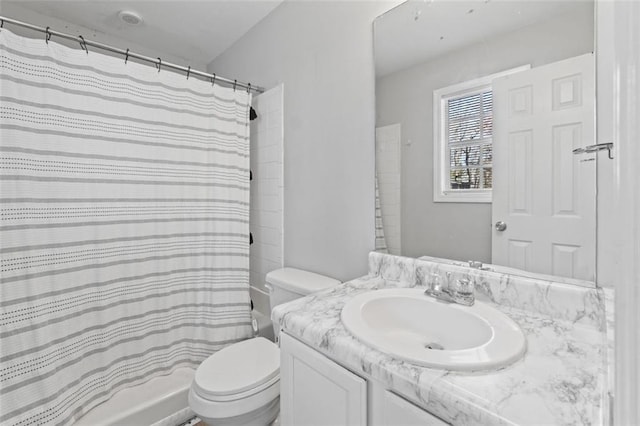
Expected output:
(267, 198)
(388, 166)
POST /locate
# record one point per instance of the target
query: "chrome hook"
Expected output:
(83, 44)
(213, 80)
(234, 84)
(188, 72)
(595, 148)
(1, 23)
(47, 35)
(126, 57)
(249, 88)
(159, 64)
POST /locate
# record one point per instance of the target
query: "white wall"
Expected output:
(267, 197)
(460, 231)
(623, 38)
(323, 53)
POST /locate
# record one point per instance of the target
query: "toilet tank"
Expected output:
(287, 284)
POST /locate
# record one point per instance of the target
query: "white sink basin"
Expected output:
(409, 325)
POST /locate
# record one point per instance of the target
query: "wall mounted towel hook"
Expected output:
(249, 88)
(126, 57)
(83, 44)
(188, 72)
(213, 80)
(159, 64)
(1, 23)
(234, 84)
(47, 35)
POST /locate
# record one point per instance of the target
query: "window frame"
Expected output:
(441, 165)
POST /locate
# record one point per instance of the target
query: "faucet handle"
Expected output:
(463, 286)
(435, 282)
(463, 291)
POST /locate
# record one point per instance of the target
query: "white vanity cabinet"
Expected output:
(316, 391)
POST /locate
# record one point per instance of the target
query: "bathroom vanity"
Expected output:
(328, 376)
(317, 390)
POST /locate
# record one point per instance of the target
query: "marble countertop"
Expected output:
(561, 380)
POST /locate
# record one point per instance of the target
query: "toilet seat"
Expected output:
(237, 379)
(237, 396)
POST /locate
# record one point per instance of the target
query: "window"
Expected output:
(463, 132)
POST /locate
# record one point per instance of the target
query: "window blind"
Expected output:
(469, 125)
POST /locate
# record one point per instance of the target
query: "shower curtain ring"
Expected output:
(188, 72)
(159, 64)
(83, 44)
(126, 57)
(47, 35)
(213, 80)
(234, 84)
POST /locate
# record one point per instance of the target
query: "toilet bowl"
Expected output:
(240, 384)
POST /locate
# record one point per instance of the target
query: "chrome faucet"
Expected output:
(475, 264)
(460, 292)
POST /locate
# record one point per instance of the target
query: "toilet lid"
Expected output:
(237, 368)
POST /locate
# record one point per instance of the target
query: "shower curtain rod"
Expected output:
(128, 54)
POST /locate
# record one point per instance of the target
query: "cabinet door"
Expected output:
(315, 391)
(388, 409)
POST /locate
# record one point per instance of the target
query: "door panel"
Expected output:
(315, 391)
(565, 186)
(520, 169)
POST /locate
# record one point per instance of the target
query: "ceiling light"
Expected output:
(129, 17)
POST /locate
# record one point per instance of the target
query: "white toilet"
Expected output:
(240, 384)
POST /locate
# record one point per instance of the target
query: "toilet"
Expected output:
(240, 384)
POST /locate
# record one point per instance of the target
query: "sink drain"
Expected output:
(434, 346)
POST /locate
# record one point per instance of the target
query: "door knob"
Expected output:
(501, 226)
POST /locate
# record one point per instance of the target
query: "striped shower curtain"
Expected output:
(124, 226)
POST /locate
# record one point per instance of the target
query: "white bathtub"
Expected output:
(160, 401)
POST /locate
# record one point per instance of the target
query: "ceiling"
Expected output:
(191, 30)
(419, 30)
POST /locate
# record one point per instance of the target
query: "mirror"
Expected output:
(476, 125)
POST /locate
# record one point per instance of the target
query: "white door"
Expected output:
(542, 192)
(315, 391)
